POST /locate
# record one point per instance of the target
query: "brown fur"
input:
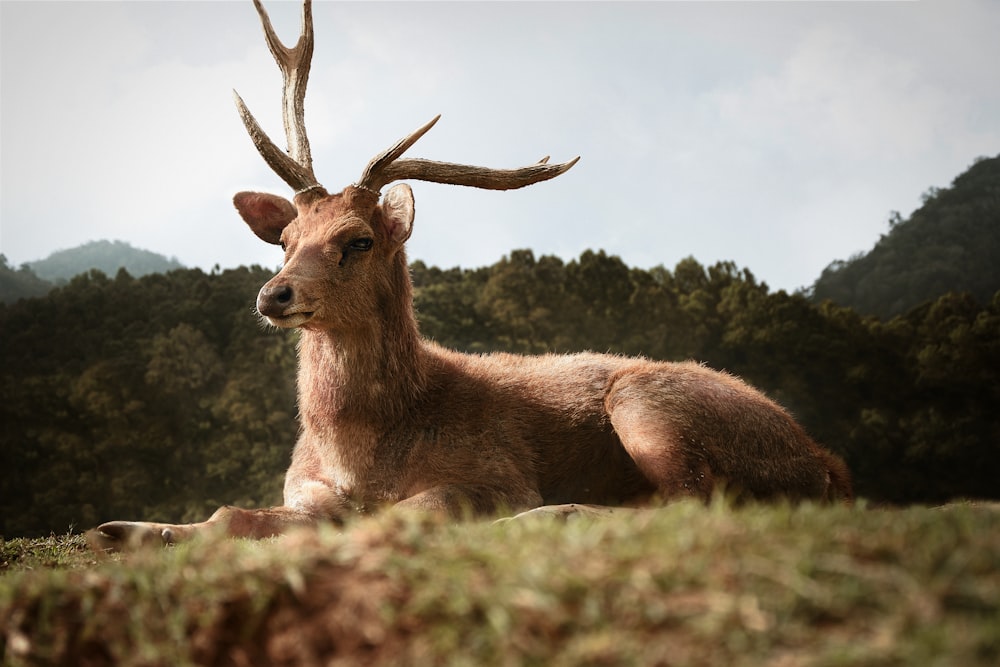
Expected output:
(391, 419)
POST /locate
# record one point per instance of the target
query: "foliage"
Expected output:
(20, 284)
(951, 243)
(162, 398)
(681, 585)
(157, 397)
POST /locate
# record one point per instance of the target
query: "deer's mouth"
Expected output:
(289, 321)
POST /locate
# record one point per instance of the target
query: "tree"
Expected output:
(951, 243)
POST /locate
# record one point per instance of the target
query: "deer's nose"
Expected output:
(274, 299)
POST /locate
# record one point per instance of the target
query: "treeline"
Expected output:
(20, 283)
(37, 278)
(106, 256)
(162, 397)
(950, 243)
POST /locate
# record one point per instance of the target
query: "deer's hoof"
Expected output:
(128, 536)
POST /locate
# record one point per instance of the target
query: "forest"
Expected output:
(162, 397)
(951, 243)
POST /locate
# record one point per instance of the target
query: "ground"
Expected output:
(683, 584)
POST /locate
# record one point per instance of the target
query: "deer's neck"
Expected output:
(371, 374)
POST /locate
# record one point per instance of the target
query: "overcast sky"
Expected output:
(779, 135)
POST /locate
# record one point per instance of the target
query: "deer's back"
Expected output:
(547, 418)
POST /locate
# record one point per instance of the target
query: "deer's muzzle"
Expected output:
(277, 304)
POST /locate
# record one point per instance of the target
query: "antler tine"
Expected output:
(295, 166)
(297, 176)
(371, 176)
(472, 176)
(386, 168)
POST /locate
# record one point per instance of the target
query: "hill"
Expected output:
(36, 278)
(105, 256)
(20, 283)
(950, 244)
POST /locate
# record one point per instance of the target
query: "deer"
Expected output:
(389, 419)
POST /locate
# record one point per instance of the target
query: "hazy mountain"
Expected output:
(950, 244)
(105, 256)
(37, 278)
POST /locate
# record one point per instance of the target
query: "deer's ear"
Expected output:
(267, 215)
(397, 212)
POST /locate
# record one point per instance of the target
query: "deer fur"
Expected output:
(388, 418)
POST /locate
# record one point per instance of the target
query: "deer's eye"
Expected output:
(357, 245)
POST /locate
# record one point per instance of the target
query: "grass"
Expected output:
(55, 551)
(681, 585)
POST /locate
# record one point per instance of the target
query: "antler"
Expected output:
(295, 166)
(386, 168)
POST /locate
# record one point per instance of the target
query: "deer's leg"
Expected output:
(464, 500)
(231, 521)
(655, 442)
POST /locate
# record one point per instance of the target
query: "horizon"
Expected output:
(778, 136)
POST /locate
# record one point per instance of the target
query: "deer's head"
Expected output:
(344, 251)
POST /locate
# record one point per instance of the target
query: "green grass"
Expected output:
(681, 585)
(55, 551)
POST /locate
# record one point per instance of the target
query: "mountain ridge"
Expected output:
(37, 278)
(105, 256)
(950, 244)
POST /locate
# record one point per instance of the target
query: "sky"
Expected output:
(777, 135)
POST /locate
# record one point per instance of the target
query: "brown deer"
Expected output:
(388, 418)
